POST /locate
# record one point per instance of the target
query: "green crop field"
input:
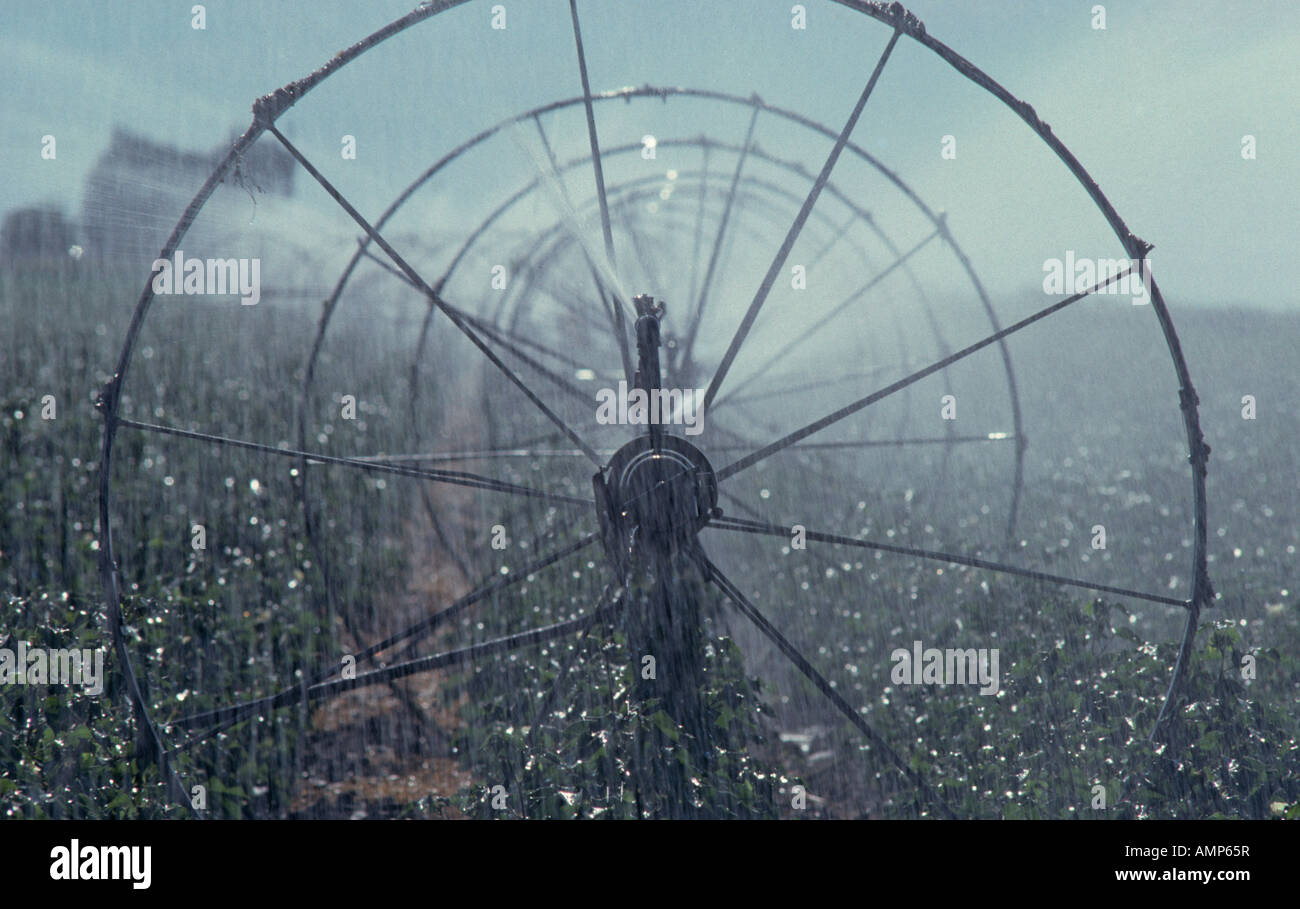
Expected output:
(566, 729)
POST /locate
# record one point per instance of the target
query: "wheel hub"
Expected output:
(658, 490)
(655, 496)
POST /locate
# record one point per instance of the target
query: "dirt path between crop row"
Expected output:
(374, 751)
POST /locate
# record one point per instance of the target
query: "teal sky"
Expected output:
(1155, 106)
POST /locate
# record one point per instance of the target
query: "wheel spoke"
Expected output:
(887, 443)
(900, 443)
(433, 295)
(783, 386)
(832, 418)
(507, 340)
(512, 343)
(456, 478)
(326, 689)
(223, 717)
(598, 169)
(741, 525)
(740, 503)
(567, 316)
(611, 311)
(779, 261)
(367, 254)
(609, 301)
(650, 270)
(563, 383)
(841, 307)
(819, 681)
(564, 293)
(743, 443)
(514, 338)
(697, 315)
(699, 229)
(597, 163)
(516, 453)
(488, 455)
(840, 234)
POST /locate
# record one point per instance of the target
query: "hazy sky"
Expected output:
(1155, 106)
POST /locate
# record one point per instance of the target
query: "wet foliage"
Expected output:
(568, 729)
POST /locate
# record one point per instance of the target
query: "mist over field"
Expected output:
(322, 430)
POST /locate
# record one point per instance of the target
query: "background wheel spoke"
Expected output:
(741, 526)
(374, 465)
(848, 410)
(819, 681)
(793, 234)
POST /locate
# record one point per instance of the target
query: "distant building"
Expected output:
(36, 235)
(139, 188)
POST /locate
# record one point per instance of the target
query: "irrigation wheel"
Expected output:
(682, 264)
